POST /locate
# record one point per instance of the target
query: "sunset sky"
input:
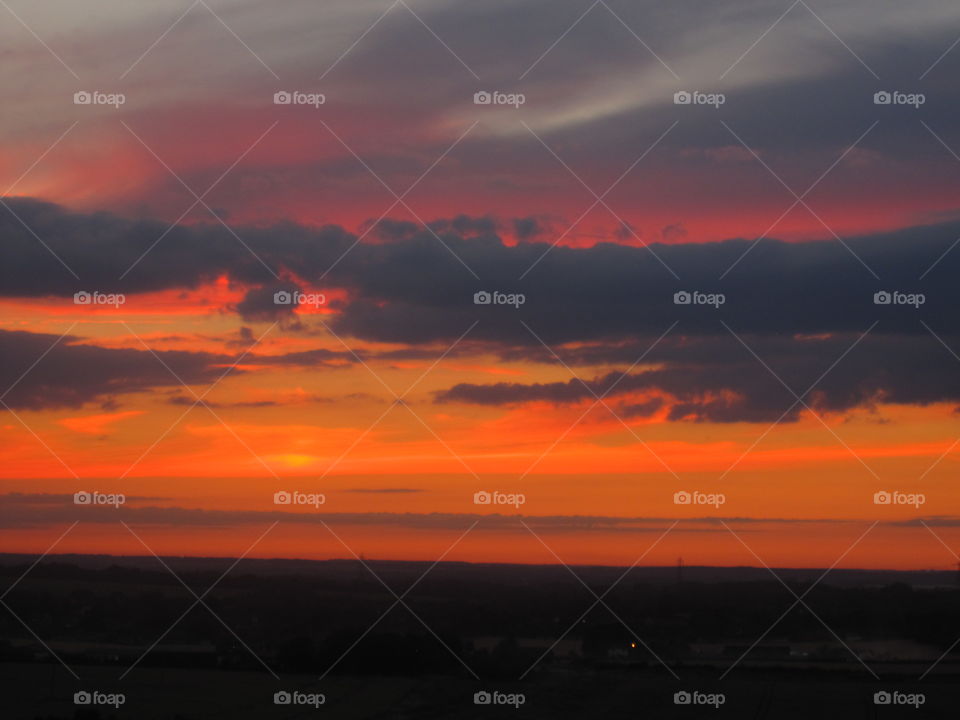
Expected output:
(388, 206)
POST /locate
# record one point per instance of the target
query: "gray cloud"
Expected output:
(799, 305)
(717, 379)
(413, 289)
(72, 374)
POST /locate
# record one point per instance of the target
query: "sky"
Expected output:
(805, 399)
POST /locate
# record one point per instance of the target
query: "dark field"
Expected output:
(336, 633)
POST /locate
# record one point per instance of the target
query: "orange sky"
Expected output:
(815, 489)
(584, 163)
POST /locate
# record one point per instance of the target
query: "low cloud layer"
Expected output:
(71, 374)
(416, 287)
(798, 306)
(718, 379)
(29, 510)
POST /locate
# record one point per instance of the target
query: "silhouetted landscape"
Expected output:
(333, 628)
